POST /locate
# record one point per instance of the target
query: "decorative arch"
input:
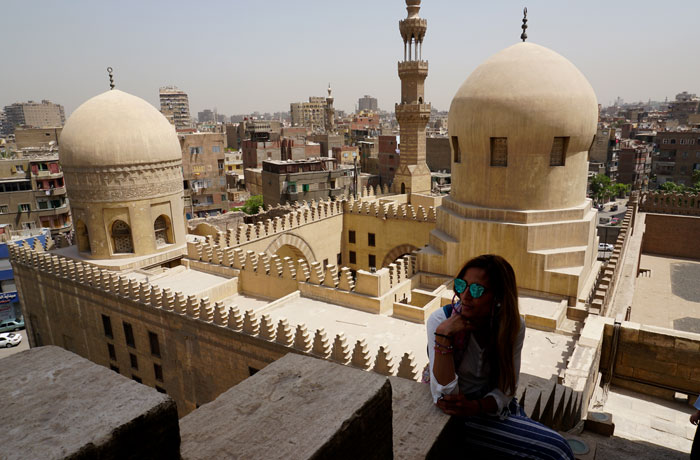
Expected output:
(294, 242)
(83, 237)
(163, 231)
(398, 251)
(121, 237)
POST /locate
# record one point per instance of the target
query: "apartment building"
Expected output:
(367, 104)
(676, 155)
(33, 194)
(33, 115)
(37, 137)
(311, 114)
(175, 105)
(204, 173)
(634, 166)
(304, 180)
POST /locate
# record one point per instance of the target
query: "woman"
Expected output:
(474, 347)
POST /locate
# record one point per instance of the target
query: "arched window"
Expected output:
(81, 232)
(403, 188)
(121, 235)
(162, 230)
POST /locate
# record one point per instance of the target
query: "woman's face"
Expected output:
(477, 311)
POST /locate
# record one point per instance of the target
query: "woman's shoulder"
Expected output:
(436, 317)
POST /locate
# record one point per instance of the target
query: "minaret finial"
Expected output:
(111, 78)
(523, 36)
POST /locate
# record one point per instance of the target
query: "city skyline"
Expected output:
(282, 52)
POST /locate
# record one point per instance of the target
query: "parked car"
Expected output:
(614, 221)
(11, 325)
(613, 208)
(9, 339)
(605, 247)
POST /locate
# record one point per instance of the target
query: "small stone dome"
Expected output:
(117, 129)
(527, 100)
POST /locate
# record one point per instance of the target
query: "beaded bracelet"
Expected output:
(447, 347)
(445, 351)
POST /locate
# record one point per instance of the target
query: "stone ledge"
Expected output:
(64, 406)
(296, 407)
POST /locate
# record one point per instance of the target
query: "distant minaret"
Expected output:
(413, 113)
(330, 112)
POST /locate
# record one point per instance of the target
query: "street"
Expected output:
(24, 345)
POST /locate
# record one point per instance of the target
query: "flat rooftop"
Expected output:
(543, 353)
(185, 280)
(668, 295)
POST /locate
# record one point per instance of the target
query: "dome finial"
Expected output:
(523, 36)
(111, 78)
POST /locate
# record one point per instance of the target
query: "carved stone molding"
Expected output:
(123, 183)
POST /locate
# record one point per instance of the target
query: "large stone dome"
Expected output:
(534, 98)
(117, 129)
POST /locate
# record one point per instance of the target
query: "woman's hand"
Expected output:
(452, 325)
(458, 405)
(695, 418)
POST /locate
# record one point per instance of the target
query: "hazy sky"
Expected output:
(241, 56)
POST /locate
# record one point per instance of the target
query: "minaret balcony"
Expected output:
(412, 112)
(413, 68)
(415, 26)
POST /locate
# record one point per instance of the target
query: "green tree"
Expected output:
(669, 186)
(253, 204)
(620, 190)
(696, 180)
(599, 186)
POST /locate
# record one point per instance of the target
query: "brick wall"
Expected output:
(670, 235)
(653, 360)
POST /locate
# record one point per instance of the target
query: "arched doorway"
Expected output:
(163, 231)
(83, 237)
(121, 237)
(288, 245)
(397, 252)
(403, 188)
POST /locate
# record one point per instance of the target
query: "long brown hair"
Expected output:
(505, 320)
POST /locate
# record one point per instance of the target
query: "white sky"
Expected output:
(242, 56)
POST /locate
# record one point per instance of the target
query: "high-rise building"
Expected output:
(310, 114)
(175, 105)
(367, 103)
(33, 115)
(413, 113)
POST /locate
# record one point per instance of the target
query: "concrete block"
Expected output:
(600, 423)
(592, 333)
(64, 406)
(417, 422)
(297, 407)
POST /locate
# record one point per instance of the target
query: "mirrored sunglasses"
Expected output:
(476, 290)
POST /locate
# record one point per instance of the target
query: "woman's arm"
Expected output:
(446, 383)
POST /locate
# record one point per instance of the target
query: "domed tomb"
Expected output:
(520, 128)
(122, 163)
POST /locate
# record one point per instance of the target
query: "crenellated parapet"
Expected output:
(303, 214)
(687, 204)
(401, 211)
(296, 338)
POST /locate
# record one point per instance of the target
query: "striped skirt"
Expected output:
(516, 436)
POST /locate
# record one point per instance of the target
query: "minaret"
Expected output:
(330, 112)
(413, 114)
